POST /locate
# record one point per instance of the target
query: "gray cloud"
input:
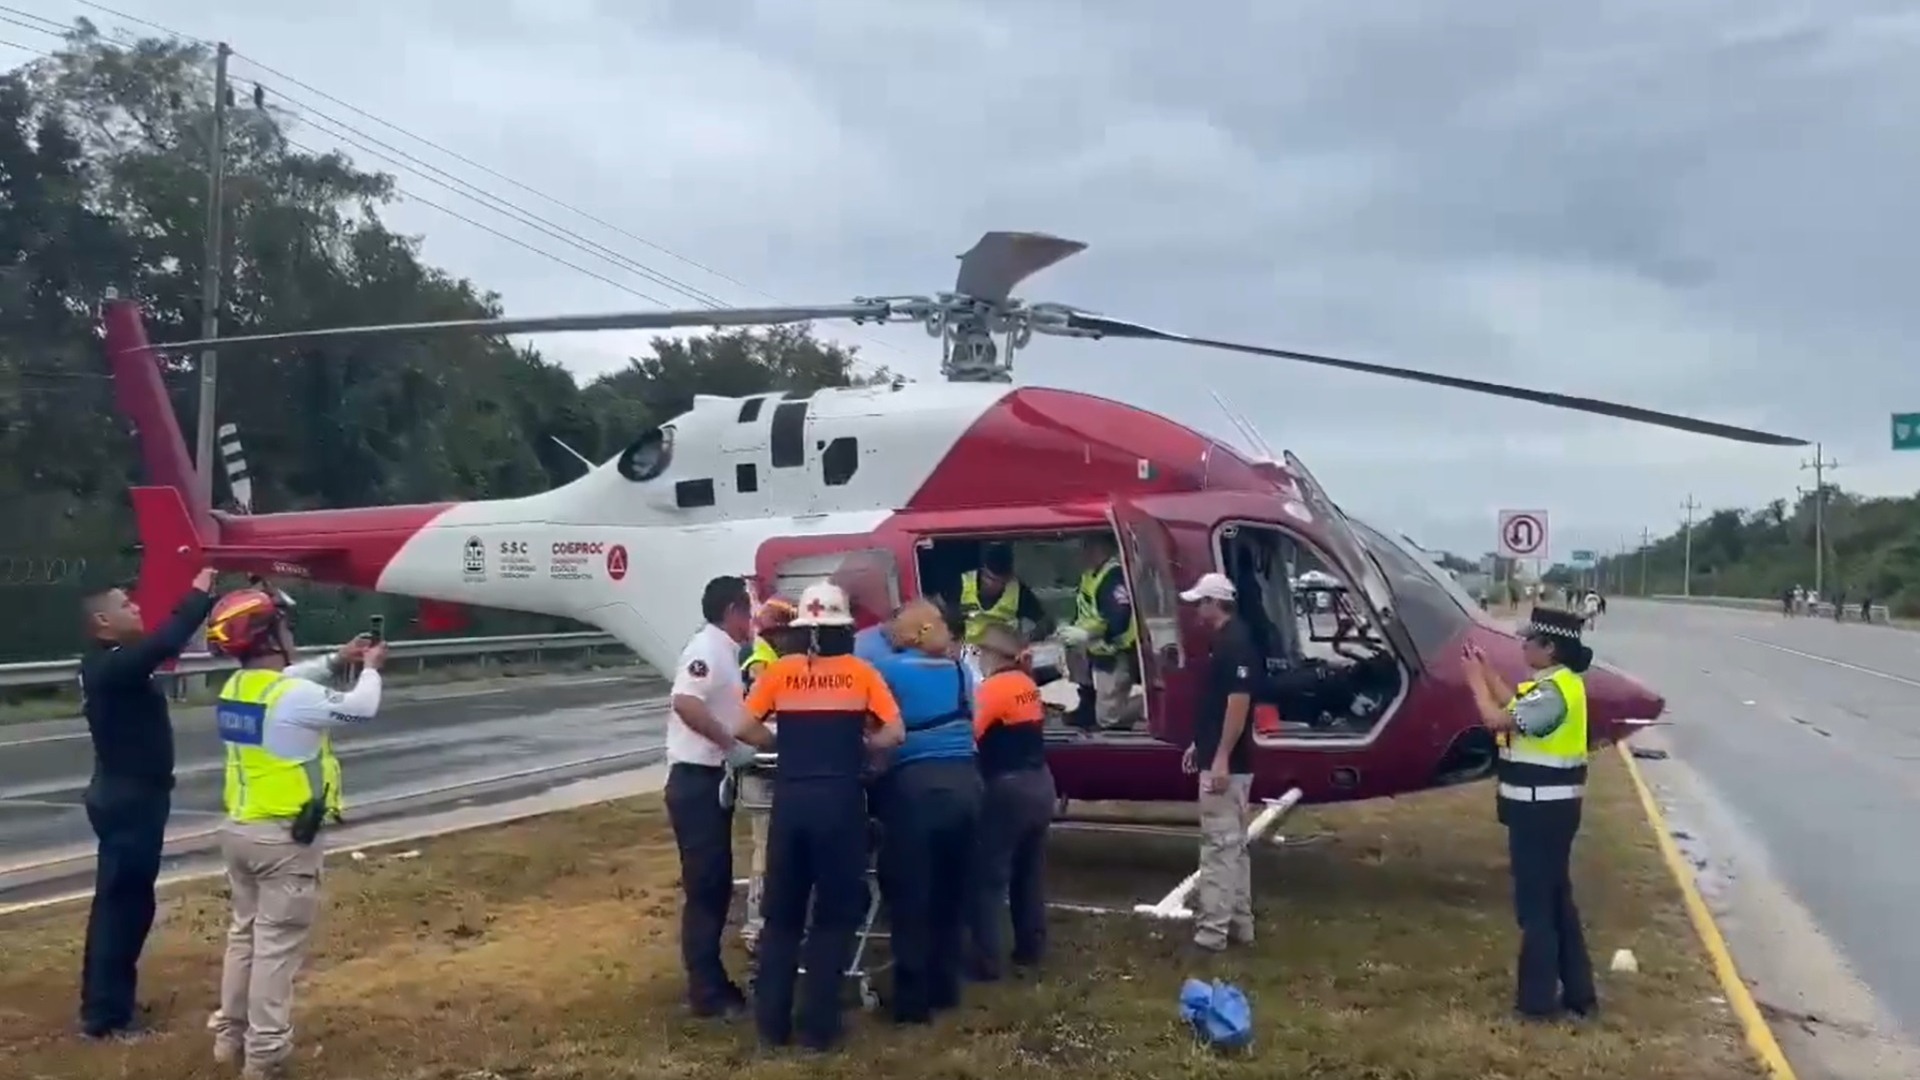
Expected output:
(1696, 205)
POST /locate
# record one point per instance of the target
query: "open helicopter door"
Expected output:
(1147, 558)
(1355, 561)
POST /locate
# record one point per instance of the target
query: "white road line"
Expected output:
(44, 804)
(1830, 660)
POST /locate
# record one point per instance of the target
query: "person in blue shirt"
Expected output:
(928, 802)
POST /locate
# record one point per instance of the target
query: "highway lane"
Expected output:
(1806, 735)
(437, 743)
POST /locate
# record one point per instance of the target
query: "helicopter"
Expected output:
(891, 491)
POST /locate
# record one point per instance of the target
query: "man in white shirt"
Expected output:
(708, 708)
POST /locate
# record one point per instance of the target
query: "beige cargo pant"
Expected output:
(756, 792)
(1114, 707)
(1223, 898)
(276, 896)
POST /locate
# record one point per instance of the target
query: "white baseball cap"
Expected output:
(823, 605)
(1211, 586)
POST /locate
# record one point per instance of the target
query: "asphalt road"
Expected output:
(431, 747)
(1807, 734)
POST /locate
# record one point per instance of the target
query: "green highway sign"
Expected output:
(1583, 558)
(1906, 431)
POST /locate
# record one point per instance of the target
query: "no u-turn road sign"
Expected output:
(1523, 534)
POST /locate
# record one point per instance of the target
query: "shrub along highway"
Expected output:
(432, 747)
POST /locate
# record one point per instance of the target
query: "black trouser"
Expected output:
(1555, 971)
(703, 831)
(131, 822)
(928, 817)
(817, 836)
(1010, 870)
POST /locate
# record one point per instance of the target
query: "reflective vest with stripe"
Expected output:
(260, 785)
(1086, 613)
(1553, 768)
(1003, 612)
(762, 653)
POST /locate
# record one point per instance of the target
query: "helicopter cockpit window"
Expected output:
(1430, 603)
(648, 456)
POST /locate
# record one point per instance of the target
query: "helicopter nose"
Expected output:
(1619, 704)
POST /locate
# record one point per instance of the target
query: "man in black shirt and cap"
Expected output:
(1222, 753)
(131, 793)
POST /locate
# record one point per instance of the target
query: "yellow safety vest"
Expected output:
(1004, 612)
(762, 654)
(1086, 613)
(1551, 768)
(261, 786)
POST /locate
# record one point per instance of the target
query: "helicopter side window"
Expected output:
(750, 410)
(870, 576)
(693, 494)
(648, 456)
(788, 436)
(840, 460)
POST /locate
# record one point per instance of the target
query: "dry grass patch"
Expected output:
(546, 949)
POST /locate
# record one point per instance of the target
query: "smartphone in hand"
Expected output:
(377, 629)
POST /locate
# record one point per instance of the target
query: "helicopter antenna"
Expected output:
(561, 443)
(1254, 442)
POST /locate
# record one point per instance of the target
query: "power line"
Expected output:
(35, 27)
(24, 48)
(484, 196)
(411, 197)
(493, 202)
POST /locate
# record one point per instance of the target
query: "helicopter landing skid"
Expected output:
(1174, 904)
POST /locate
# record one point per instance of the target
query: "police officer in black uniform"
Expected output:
(131, 793)
(1541, 727)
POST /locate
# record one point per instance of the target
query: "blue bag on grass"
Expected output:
(1218, 1012)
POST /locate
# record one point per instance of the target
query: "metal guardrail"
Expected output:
(1823, 610)
(58, 672)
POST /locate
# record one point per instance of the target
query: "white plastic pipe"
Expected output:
(1174, 904)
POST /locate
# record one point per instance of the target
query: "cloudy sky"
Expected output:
(1701, 206)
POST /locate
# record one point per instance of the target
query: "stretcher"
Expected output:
(860, 970)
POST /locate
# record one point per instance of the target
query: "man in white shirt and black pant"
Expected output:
(708, 707)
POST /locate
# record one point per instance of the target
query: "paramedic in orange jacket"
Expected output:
(1016, 812)
(833, 710)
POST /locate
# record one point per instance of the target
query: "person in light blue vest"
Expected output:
(928, 803)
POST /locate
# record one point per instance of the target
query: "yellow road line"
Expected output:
(1759, 1033)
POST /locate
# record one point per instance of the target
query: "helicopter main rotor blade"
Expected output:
(991, 269)
(558, 324)
(1102, 326)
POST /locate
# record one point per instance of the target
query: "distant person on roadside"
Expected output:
(276, 717)
(1786, 602)
(131, 793)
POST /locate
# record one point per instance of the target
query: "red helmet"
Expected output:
(243, 623)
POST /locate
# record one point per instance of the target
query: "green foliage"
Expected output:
(1872, 550)
(103, 185)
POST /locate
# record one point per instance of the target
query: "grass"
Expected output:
(36, 704)
(546, 949)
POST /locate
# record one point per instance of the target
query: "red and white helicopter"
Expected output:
(891, 490)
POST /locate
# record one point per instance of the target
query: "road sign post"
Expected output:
(1906, 431)
(1523, 534)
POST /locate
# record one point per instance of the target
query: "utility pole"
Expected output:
(1686, 565)
(1820, 466)
(1646, 544)
(211, 274)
